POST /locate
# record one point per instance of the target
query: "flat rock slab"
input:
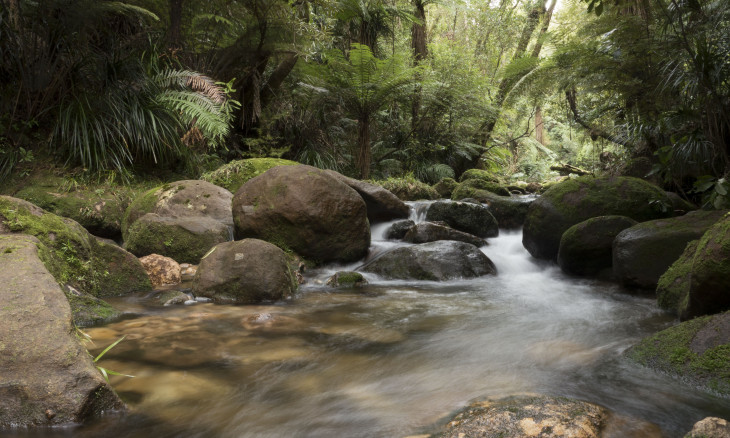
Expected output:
(47, 376)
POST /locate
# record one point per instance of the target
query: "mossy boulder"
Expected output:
(698, 283)
(305, 210)
(510, 211)
(575, 200)
(526, 416)
(382, 205)
(679, 204)
(445, 186)
(464, 216)
(181, 220)
(87, 310)
(642, 253)
(695, 351)
(47, 376)
(586, 247)
(481, 174)
(430, 232)
(248, 271)
(408, 189)
(434, 261)
(399, 229)
(71, 254)
(346, 279)
(469, 187)
(231, 176)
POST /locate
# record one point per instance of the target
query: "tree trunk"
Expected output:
(539, 126)
(174, 34)
(277, 78)
(363, 140)
(420, 51)
(547, 16)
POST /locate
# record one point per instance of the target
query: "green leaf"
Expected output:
(96, 359)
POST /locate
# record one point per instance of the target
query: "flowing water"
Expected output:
(389, 359)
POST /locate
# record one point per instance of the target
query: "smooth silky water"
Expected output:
(389, 359)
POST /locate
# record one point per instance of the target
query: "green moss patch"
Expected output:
(471, 187)
(233, 175)
(408, 188)
(480, 174)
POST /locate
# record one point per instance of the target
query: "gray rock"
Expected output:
(399, 229)
(429, 232)
(435, 261)
(244, 272)
(586, 248)
(47, 376)
(469, 218)
(382, 205)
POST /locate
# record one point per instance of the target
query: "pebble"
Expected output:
(203, 299)
(190, 302)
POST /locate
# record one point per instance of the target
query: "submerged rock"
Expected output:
(435, 261)
(306, 210)
(181, 220)
(463, 216)
(161, 270)
(575, 200)
(399, 229)
(586, 248)
(527, 416)
(347, 279)
(642, 253)
(695, 351)
(430, 232)
(244, 272)
(698, 282)
(47, 376)
(382, 205)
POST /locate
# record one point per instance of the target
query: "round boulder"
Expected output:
(435, 261)
(233, 175)
(467, 217)
(161, 270)
(642, 253)
(575, 200)
(248, 271)
(306, 210)
(399, 229)
(445, 186)
(710, 427)
(430, 232)
(382, 205)
(585, 248)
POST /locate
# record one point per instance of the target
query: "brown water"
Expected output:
(389, 359)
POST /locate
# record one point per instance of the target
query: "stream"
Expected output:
(390, 359)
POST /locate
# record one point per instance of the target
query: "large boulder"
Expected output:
(233, 175)
(695, 351)
(527, 416)
(509, 211)
(73, 256)
(575, 200)
(306, 210)
(382, 205)
(467, 187)
(429, 232)
(47, 376)
(445, 186)
(642, 253)
(408, 189)
(181, 220)
(698, 283)
(248, 271)
(586, 248)
(435, 261)
(464, 216)
(484, 175)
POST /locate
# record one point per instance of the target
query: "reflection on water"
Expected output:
(391, 361)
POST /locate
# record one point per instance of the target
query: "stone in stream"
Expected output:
(698, 282)
(47, 376)
(695, 351)
(435, 261)
(306, 210)
(382, 205)
(642, 253)
(575, 200)
(180, 220)
(710, 427)
(244, 272)
(586, 248)
(510, 211)
(463, 216)
(346, 279)
(430, 232)
(161, 270)
(527, 416)
(399, 229)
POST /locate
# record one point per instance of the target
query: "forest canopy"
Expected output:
(373, 88)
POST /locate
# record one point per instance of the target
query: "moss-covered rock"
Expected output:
(642, 253)
(481, 174)
(87, 310)
(698, 283)
(510, 211)
(381, 204)
(585, 248)
(464, 216)
(346, 279)
(408, 189)
(399, 229)
(467, 188)
(696, 351)
(575, 200)
(445, 186)
(71, 254)
(231, 176)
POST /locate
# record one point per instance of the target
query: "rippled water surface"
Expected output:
(390, 359)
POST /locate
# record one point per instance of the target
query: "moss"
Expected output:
(445, 187)
(346, 279)
(480, 174)
(233, 175)
(408, 188)
(673, 286)
(88, 310)
(470, 187)
(670, 351)
(140, 206)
